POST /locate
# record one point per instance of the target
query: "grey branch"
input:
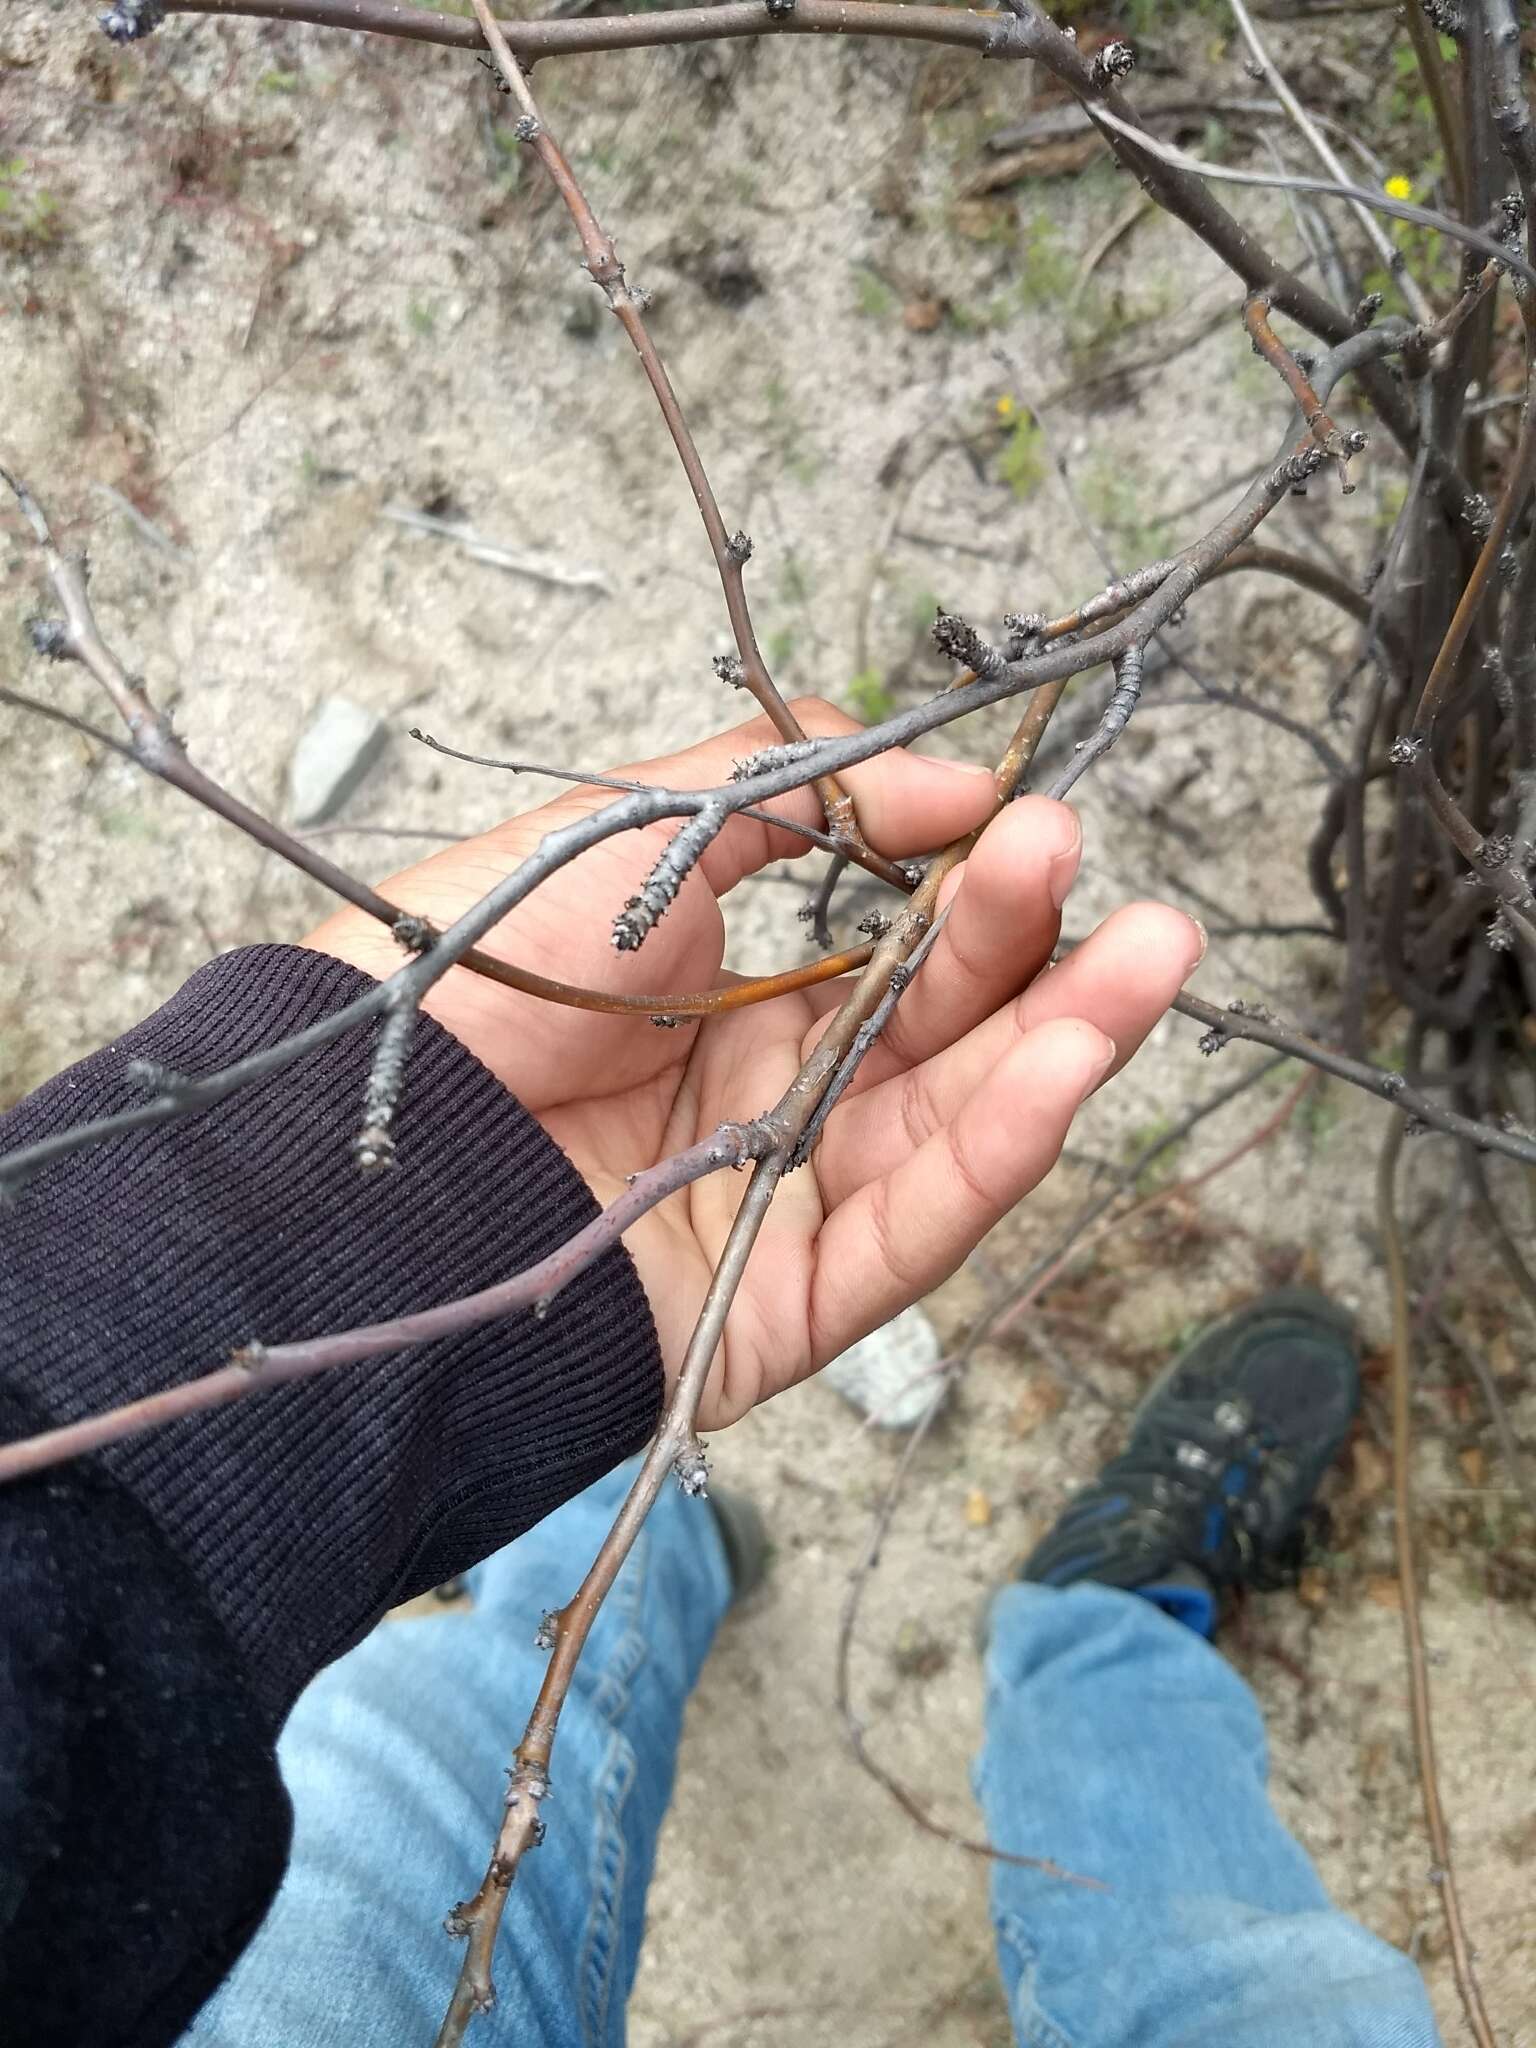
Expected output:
(643, 912)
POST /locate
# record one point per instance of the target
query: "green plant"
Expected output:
(1164, 1169)
(29, 213)
(421, 318)
(868, 697)
(872, 295)
(1047, 271)
(1319, 1112)
(781, 646)
(1112, 500)
(1021, 465)
(787, 433)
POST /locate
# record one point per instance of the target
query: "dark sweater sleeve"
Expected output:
(163, 1602)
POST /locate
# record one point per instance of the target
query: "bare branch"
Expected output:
(1241, 1020)
(1408, 1581)
(255, 1368)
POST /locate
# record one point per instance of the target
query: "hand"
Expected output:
(957, 1113)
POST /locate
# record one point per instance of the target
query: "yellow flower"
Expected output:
(1007, 406)
(1399, 187)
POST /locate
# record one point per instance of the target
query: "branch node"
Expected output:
(961, 643)
(50, 638)
(1405, 750)
(1367, 309)
(739, 546)
(690, 1468)
(129, 21)
(412, 933)
(157, 1080)
(645, 910)
(1213, 1041)
(1114, 62)
(779, 10)
(1025, 631)
(767, 759)
(729, 668)
(374, 1145)
(547, 1633)
(526, 128)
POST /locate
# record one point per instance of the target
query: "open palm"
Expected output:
(959, 1111)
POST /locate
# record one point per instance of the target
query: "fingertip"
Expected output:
(1061, 1061)
(1164, 933)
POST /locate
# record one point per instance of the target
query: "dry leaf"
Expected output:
(1472, 1463)
(1384, 1589)
(1312, 1586)
(1041, 160)
(978, 1508)
(1501, 1354)
(1372, 1469)
(921, 316)
(1039, 1401)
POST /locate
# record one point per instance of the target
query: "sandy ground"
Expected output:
(262, 282)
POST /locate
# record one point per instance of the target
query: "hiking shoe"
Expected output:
(1227, 1449)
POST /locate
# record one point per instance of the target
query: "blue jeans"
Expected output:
(1116, 1737)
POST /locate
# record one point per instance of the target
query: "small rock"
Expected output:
(335, 751)
(921, 316)
(889, 1375)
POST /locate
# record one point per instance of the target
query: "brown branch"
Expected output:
(534, 41)
(853, 1728)
(1426, 50)
(676, 1446)
(730, 550)
(156, 748)
(1336, 446)
(256, 1368)
(1001, 1316)
(1243, 1021)
(1492, 862)
(1318, 143)
(1444, 1874)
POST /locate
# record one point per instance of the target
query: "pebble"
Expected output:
(335, 751)
(889, 1374)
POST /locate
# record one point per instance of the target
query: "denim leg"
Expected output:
(1121, 1745)
(396, 1761)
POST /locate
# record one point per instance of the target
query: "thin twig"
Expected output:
(853, 1727)
(256, 1368)
(1317, 142)
(731, 551)
(1444, 1873)
(1240, 1020)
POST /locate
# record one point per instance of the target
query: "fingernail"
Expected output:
(971, 770)
(1205, 940)
(1111, 1054)
(1061, 869)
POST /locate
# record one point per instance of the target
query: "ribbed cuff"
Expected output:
(142, 1261)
